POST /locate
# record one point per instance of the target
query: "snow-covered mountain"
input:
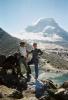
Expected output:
(47, 29)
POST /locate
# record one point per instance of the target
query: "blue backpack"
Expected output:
(39, 89)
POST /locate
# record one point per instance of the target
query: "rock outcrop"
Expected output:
(14, 86)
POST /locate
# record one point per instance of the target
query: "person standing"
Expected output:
(35, 58)
(23, 58)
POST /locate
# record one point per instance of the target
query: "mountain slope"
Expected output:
(8, 44)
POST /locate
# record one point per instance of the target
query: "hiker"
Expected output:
(23, 59)
(35, 58)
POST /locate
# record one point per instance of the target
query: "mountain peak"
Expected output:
(41, 24)
(46, 19)
(48, 27)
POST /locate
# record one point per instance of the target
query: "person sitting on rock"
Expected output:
(23, 58)
(35, 58)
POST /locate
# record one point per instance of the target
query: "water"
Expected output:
(57, 78)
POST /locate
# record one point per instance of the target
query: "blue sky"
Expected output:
(15, 15)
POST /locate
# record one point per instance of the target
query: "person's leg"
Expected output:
(36, 70)
(27, 69)
(19, 63)
(19, 70)
(29, 63)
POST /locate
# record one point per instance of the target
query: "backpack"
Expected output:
(39, 89)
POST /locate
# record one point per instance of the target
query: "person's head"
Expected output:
(34, 45)
(22, 44)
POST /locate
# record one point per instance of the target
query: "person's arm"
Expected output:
(30, 51)
(40, 52)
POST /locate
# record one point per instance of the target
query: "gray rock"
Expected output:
(65, 84)
(1, 95)
(16, 94)
(61, 95)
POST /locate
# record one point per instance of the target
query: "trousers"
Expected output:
(35, 62)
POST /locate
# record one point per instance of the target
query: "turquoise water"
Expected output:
(57, 78)
(60, 79)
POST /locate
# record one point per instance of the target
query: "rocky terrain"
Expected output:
(56, 61)
(13, 86)
(47, 91)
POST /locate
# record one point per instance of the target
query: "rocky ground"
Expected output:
(47, 66)
(23, 90)
(13, 87)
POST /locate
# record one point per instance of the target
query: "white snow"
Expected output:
(39, 36)
(47, 27)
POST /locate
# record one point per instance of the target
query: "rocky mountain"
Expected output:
(49, 29)
(8, 44)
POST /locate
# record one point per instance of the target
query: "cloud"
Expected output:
(39, 36)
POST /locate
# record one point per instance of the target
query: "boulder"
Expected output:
(51, 84)
(5, 91)
(16, 95)
(2, 60)
(65, 84)
(61, 94)
(1, 95)
(29, 98)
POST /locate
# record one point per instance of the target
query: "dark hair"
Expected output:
(22, 43)
(34, 43)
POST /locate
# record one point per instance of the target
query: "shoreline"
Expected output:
(48, 67)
